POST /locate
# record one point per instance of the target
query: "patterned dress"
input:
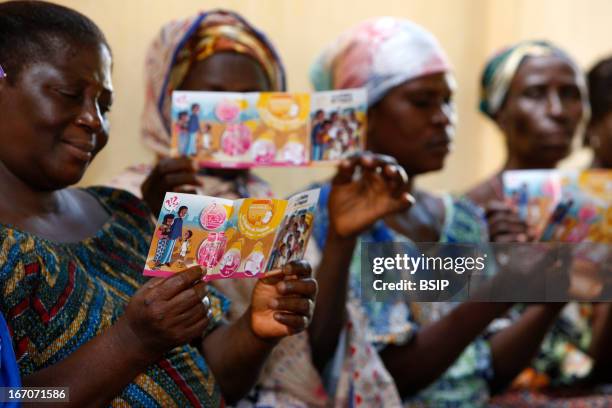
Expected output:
(465, 383)
(58, 296)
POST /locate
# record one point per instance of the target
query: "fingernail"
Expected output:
(282, 287)
(206, 301)
(273, 303)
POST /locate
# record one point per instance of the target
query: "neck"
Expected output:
(24, 198)
(598, 163)
(516, 163)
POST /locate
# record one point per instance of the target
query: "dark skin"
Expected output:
(413, 122)
(57, 109)
(222, 72)
(539, 119)
(599, 138)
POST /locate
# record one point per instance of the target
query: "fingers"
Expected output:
(302, 288)
(189, 298)
(295, 323)
(345, 171)
(179, 282)
(175, 165)
(176, 180)
(366, 161)
(299, 306)
(505, 225)
(300, 269)
(293, 270)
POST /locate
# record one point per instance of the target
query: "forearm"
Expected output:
(436, 346)
(96, 372)
(600, 349)
(236, 355)
(513, 348)
(330, 311)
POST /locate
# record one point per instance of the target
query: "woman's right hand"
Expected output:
(176, 174)
(505, 225)
(165, 313)
(358, 201)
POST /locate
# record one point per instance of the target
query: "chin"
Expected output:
(68, 177)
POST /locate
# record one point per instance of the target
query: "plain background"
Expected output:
(469, 30)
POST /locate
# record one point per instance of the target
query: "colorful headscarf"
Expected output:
(503, 65)
(378, 54)
(182, 43)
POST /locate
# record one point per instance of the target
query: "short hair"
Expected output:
(32, 31)
(600, 89)
(168, 217)
(181, 208)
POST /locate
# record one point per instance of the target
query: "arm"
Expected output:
(600, 349)
(436, 346)
(281, 305)
(329, 315)
(513, 348)
(354, 205)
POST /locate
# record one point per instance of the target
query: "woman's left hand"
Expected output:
(282, 303)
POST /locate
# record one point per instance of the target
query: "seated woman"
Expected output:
(433, 351)
(72, 259)
(211, 51)
(598, 135)
(537, 96)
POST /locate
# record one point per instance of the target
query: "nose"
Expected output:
(555, 104)
(444, 114)
(90, 117)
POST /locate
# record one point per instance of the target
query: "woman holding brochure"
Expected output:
(434, 353)
(71, 263)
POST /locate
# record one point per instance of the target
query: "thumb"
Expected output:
(401, 203)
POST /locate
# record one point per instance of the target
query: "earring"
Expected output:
(2, 73)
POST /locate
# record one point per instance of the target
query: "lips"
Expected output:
(80, 149)
(439, 145)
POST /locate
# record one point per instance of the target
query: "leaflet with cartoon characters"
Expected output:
(224, 129)
(230, 238)
(565, 206)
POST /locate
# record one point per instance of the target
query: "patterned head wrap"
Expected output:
(182, 43)
(378, 54)
(503, 65)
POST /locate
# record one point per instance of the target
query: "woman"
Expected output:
(219, 51)
(211, 51)
(599, 130)
(536, 95)
(433, 352)
(72, 259)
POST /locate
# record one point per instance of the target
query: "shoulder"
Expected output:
(465, 221)
(124, 206)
